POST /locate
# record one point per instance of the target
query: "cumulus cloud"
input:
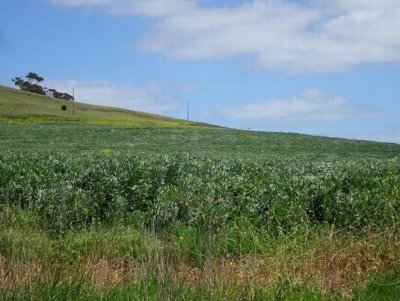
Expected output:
(314, 36)
(141, 98)
(311, 105)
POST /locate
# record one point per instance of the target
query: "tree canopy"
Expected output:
(32, 85)
(32, 76)
(29, 85)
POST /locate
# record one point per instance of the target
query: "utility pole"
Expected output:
(73, 101)
(187, 113)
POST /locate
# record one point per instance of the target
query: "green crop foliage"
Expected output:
(74, 193)
(153, 210)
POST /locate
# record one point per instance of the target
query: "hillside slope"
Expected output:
(19, 107)
(96, 128)
(202, 141)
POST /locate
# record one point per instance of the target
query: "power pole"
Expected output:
(73, 101)
(187, 113)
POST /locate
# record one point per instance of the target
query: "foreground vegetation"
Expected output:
(161, 209)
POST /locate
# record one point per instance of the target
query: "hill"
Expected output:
(96, 128)
(20, 107)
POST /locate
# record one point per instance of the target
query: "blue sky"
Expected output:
(316, 67)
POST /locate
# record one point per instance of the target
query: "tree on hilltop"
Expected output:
(60, 95)
(32, 76)
(32, 85)
(29, 85)
(19, 82)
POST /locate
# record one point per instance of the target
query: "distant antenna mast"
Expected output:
(187, 113)
(73, 101)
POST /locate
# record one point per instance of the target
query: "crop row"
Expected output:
(69, 193)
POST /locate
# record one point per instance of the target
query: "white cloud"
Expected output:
(316, 36)
(310, 106)
(141, 98)
(149, 8)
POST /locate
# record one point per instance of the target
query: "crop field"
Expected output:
(199, 150)
(94, 212)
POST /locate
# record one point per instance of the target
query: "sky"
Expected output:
(317, 67)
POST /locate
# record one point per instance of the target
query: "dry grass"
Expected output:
(332, 270)
(335, 267)
(14, 275)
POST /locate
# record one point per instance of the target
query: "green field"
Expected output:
(120, 205)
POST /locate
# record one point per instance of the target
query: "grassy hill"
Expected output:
(96, 128)
(20, 107)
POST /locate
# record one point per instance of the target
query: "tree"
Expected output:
(32, 85)
(28, 86)
(19, 82)
(54, 93)
(66, 96)
(51, 92)
(35, 88)
(32, 76)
